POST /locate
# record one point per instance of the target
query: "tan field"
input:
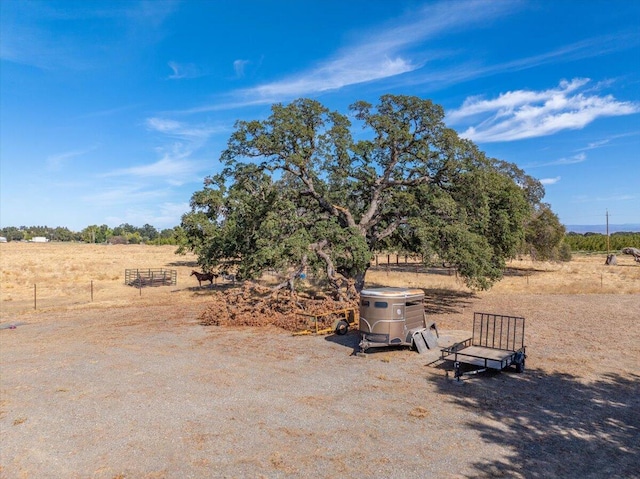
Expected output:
(129, 384)
(65, 273)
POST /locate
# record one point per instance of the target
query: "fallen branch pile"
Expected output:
(254, 305)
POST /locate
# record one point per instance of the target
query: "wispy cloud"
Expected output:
(174, 170)
(607, 141)
(163, 215)
(374, 55)
(521, 114)
(178, 129)
(550, 181)
(28, 39)
(572, 160)
(175, 166)
(239, 66)
(57, 161)
(595, 144)
(123, 194)
(183, 71)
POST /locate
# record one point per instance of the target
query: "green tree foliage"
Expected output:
(597, 242)
(299, 192)
(122, 234)
(96, 234)
(544, 235)
(58, 233)
(169, 236)
(12, 233)
(148, 233)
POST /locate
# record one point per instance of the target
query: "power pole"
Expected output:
(608, 243)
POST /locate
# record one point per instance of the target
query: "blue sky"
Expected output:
(114, 112)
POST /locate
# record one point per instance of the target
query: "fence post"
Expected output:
(35, 296)
(92, 291)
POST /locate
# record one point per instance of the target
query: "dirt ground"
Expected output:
(141, 389)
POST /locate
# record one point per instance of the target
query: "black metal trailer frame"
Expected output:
(497, 343)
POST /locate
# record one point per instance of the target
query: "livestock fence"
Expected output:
(150, 277)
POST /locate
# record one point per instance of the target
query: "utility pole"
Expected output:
(608, 242)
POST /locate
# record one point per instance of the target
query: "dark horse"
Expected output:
(204, 277)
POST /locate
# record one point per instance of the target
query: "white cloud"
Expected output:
(27, 36)
(238, 67)
(122, 195)
(182, 130)
(595, 144)
(550, 181)
(608, 141)
(174, 165)
(572, 160)
(164, 215)
(183, 70)
(55, 162)
(524, 114)
(383, 52)
(173, 168)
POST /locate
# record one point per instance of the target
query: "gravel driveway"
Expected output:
(150, 393)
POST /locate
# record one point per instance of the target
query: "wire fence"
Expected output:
(42, 295)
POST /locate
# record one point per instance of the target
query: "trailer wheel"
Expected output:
(341, 328)
(519, 362)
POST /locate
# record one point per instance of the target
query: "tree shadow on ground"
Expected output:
(446, 301)
(510, 272)
(190, 264)
(554, 424)
(415, 268)
(209, 289)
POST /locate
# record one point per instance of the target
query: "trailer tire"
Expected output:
(342, 328)
(519, 362)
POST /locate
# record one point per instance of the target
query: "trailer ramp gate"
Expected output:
(497, 343)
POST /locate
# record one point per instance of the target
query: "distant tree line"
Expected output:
(545, 238)
(123, 234)
(597, 242)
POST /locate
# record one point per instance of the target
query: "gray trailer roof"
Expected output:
(390, 292)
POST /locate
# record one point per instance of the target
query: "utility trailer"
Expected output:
(497, 343)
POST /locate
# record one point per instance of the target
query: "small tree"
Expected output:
(545, 235)
(298, 193)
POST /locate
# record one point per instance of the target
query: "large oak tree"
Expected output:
(307, 190)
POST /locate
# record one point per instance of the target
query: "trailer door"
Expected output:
(396, 325)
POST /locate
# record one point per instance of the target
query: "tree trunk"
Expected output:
(359, 280)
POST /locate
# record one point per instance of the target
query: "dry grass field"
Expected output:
(65, 273)
(131, 385)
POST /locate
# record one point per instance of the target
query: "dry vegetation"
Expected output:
(132, 385)
(65, 273)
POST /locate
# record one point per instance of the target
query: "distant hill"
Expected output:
(630, 227)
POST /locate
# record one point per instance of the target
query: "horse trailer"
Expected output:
(395, 317)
